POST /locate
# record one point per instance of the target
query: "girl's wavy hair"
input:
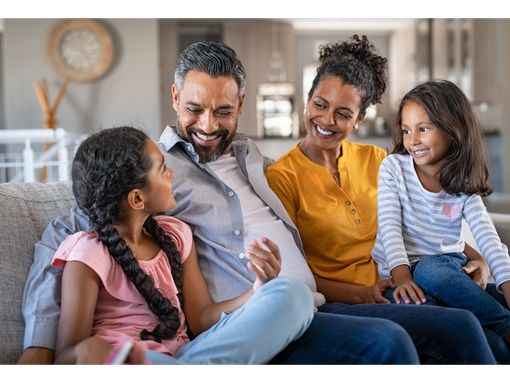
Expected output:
(355, 62)
(107, 166)
(465, 168)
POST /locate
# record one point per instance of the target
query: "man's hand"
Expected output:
(37, 355)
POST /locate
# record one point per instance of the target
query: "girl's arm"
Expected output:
(80, 287)
(505, 287)
(406, 287)
(477, 268)
(201, 313)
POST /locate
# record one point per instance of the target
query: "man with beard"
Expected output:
(222, 193)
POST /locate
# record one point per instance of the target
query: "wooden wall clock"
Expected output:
(80, 50)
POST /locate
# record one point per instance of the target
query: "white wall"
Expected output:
(128, 94)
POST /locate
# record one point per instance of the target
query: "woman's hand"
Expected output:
(265, 264)
(374, 293)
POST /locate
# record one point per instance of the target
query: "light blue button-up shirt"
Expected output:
(213, 211)
(209, 206)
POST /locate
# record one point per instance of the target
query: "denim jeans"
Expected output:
(278, 313)
(441, 276)
(488, 306)
(273, 319)
(440, 335)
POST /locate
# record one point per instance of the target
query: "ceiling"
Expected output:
(338, 24)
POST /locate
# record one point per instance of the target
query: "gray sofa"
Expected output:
(25, 211)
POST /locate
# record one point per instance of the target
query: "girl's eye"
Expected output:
(424, 129)
(405, 131)
(320, 106)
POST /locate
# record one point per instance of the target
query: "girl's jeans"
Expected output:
(278, 313)
(442, 277)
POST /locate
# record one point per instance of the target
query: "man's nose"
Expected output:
(208, 122)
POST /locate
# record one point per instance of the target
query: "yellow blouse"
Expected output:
(338, 225)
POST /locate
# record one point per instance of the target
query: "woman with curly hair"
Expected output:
(328, 185)
(135, 275)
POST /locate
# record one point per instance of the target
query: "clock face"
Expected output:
(80, 49)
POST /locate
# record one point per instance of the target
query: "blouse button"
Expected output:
(358, 221)
(348, 203)
(241, 255)
(237, 232)
(353, 211)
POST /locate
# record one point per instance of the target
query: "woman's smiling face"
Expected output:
(331, 113)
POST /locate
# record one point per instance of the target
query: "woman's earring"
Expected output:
(355, 126)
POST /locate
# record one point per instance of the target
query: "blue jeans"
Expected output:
(278, 313)
(440, 335)
(441, 276)
(271, 319)
(488, 306)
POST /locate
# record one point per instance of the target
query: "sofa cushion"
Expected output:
(25, 211)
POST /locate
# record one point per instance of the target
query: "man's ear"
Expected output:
(175, 97)
(240, 107)
(135, 200)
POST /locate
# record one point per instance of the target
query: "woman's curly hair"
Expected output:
(355, 62)
(107, 166)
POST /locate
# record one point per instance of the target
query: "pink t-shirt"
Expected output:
(121, 311)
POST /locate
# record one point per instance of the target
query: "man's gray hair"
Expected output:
(213, 58)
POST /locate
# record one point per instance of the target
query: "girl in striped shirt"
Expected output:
(435, 177)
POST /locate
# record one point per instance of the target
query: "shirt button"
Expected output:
(189, 147)
(230, 193)
(237, 232)
(241, 255)
(353, 211)
(348, 203)
(358, 221)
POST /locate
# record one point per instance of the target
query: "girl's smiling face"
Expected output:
(331, 113)
(425, 142)
(159, 193)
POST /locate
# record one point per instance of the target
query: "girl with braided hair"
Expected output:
(136, 276)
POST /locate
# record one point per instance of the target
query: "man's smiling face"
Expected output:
(207, 111)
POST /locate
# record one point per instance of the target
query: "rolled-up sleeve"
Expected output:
(41, 297)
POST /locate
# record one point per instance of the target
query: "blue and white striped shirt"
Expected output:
(415, 223)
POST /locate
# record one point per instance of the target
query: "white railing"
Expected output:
(26, 164)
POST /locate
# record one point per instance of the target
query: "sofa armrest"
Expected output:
(26, 208)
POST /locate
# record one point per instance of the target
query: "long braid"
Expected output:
(107, 166)
(171, 251)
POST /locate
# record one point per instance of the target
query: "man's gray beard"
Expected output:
(203, 156)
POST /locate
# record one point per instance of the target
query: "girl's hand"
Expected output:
(96, 350)
(409, 289)
(265, 264)
(478, 271)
